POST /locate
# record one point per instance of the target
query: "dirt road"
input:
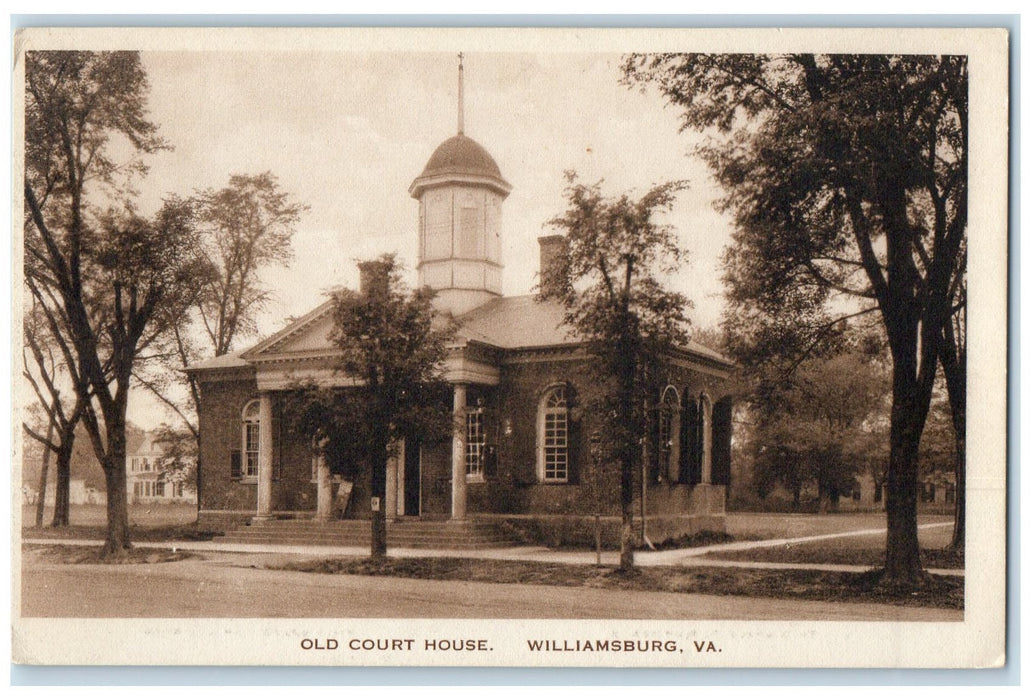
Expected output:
(228, 585)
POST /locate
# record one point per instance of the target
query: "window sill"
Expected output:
(248, 480)
(475, 479)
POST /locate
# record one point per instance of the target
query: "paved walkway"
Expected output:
(670, 557)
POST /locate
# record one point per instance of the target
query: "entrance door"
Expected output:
(412, 479)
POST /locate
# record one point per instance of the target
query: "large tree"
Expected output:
(393, 347)
(61, 398)
(102, 274)
(847, 178)
(246, 227)
(610, 282)
(821, 423)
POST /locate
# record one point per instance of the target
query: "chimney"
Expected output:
(553, 258)
(373, 275)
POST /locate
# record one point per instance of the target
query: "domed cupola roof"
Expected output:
(460, 155)
(460, 159)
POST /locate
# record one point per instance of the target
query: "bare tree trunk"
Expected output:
(954, 367)
(118, 540)
(914, 337)
(628, 448)
(41, 502)
(902, 556)
(378, 490)
(118, 536)
(959, 525)
(62, 489)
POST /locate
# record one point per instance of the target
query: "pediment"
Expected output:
(308, 335)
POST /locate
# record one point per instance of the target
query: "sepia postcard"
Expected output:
(678, 348)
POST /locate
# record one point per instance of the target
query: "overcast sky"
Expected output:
(346, 133)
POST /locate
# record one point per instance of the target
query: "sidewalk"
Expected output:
(673, 557)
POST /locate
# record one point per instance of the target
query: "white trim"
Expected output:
(246, 474)
(542, 413)
(672, 455)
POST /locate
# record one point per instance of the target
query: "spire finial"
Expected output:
(461, 95)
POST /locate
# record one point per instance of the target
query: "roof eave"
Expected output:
(425, 182)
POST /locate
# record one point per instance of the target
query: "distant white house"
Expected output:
(147, 481)
(78, 493)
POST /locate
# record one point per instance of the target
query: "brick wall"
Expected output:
(511, 486)
(221, 405)
(516, 488)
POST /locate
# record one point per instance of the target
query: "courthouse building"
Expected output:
(519, 382)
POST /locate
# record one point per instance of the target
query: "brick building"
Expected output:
(519, 383)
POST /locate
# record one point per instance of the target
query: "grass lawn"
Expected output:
(768, 526)
(76, 554)
(939, 592)
(148, 522)
(861, 550)
(843, 551)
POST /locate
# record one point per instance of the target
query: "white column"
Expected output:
(458, 456)
(400, 491)
(265, 456)
(706, 441)
(324, 499)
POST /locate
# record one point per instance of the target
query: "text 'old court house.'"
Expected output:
(519, 380)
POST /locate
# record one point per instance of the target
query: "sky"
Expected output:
(346, 133)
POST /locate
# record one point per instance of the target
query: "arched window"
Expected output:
(553, 436)
(669, 435)
(250, 437)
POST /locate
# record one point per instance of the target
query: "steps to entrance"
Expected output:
(416, 534)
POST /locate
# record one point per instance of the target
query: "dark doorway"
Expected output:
(412, 477)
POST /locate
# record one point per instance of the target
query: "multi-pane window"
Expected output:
(475, 441)
(554, 436)
(251, 433)
(159, 488)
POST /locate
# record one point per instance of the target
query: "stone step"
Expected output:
(422, 544)
(313, 532)
(425, 534)
(364, 526)
(343, 541)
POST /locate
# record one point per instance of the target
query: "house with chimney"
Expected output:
(520, 458)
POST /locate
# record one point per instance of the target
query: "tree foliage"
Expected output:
(824, 424)
(393, 347)
(847, 178)
(178, 461)
(610, 282)
(245, 228)
(102, 275)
